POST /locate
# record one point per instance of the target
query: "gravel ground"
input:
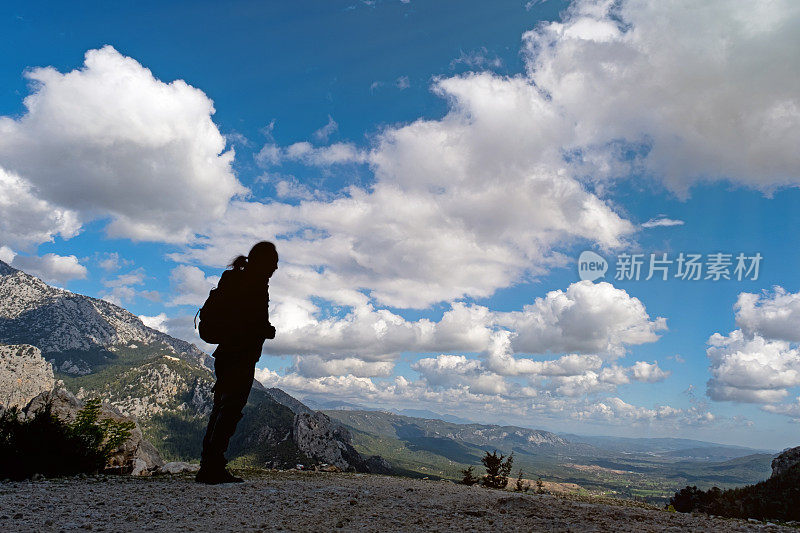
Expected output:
(310, 501)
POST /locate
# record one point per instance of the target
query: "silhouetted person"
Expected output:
(246, 291)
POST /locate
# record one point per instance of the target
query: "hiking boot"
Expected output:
(216, 476)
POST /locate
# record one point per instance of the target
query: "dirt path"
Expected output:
(286, 501)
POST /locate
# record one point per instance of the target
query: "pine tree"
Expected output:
(469, 476)
(497, 469)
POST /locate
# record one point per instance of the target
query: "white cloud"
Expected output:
(158, 322)
(28, 220)
(649, 372)
(124, 288)
(760, 362)
(791, 410)
(484, 400)
(707, 105)
(111, 261)
(52, 268)
(7, 254)
(402, 83)
(112, 140)
(480, 58)
(773, 315)
(662, 221)
(305, 152)
(452, 370)
(314, 366)
(190, 285)
(751, 369)
(585, 318)
(327, 130)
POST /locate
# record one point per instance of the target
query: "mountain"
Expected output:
(322, 404)
(665, 446)
(650, 469)
(425, 413)
(101, 350)
(79, 335)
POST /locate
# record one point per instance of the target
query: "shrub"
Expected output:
(47, 445)
(497, 470)
(520, 485)
(469, 476)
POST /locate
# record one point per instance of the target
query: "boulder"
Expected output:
(135, 456)
(786, 460)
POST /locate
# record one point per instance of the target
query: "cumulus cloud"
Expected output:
(751, 369)
(706, 106)
(124, 287)
(27, 219)
(190, 285)
(648, 372)
(111, 261)
(774, 315)
(760, 361)
(52, 268)
(453, 370)
(158, 322)
(314, 366)
(111, 140)
(587, 317)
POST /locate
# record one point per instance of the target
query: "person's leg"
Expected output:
(234, 380)
(206, 457)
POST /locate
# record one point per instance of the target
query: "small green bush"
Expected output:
(49, 446)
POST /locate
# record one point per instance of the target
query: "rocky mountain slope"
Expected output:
(99, 349)
(24, 374)
(481, 435)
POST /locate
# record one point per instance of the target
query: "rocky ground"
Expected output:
(313, 501)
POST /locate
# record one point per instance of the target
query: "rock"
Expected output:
(178, 467)
(135, 456)
(24, 374)
(318, 438)
(786, 460)
(378, 465)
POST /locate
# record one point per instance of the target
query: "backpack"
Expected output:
(214, 318)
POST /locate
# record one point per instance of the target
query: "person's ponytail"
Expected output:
(239, 263)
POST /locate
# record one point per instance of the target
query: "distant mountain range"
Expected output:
(322, 404)
(99, 349)
(645, 468)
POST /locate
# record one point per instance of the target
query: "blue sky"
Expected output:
(459, 157)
